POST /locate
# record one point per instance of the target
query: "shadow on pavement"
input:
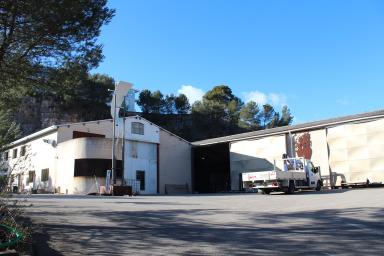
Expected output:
(357, 231)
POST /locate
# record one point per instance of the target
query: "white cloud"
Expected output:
(275, 99)
(256, 96)
(193, 94)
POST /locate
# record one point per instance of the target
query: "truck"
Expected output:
(292, 175)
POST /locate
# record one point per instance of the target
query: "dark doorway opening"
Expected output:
(211, 170)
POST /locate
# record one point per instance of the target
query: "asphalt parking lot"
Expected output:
(334, 222)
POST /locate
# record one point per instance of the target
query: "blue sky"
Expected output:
(322, 58)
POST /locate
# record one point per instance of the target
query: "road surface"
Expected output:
(334, 222)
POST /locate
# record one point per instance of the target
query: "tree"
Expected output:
(220, 94)
(286, 117)
(219, 107)
(249, 116)
(41, 42)
(182, 105)
(89, 98)
(219, 113)
(155, 102)
(168, 105)
(267, 114)
(9, 130)
(145, 101)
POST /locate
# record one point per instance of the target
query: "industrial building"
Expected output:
(348, 150)
(73, 158)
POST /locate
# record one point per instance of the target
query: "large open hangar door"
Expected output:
(211, 168)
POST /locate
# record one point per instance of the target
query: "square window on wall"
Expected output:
(137, 128)
(45, 174)
(133, 149)
(14, 153)
(31, 176)
(22, 151)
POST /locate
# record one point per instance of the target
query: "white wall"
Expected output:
(319, 151)
(104, 127)
(39, 155)
(141, 156)
(151, 131)
(175, 161)
(254, 156)
(81, 148)
(357, 151)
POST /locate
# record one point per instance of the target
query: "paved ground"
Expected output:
(341, 222)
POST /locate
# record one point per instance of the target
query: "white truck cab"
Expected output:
(287, 176)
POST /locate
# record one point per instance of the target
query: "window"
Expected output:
(5, 156)
(45, 174)
(96, 167)
(137, 128)
(22, 151)
(31, 176)
(140, 176)
(14, 153)
(77, 134)
(133, 146)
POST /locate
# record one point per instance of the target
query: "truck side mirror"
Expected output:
(316, 169)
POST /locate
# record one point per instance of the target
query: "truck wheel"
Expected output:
(265, 191)
(291, 187)
(318, 186)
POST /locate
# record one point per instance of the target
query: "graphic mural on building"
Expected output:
(303, 146)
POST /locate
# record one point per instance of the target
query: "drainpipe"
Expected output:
(291, 142)
(123, 146)
(113, 140)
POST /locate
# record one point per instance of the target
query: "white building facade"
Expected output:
(74, 158)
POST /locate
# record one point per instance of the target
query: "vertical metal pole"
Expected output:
(123, 148)
(113, 139)
(291, 142)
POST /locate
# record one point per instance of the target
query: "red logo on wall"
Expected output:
(303, 146)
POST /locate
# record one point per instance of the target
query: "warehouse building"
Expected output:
(349, 150)
(73, 158)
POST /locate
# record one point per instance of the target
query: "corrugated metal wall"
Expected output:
(356, 152)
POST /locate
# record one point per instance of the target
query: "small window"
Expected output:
(137, 128)
(140, 176)
(45, 174)
(5, 156)
(133, 149)
(22, 151)
(31, 176)
(14, 153)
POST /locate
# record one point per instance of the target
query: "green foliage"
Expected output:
(286, 117)
(9, 130)
(182, 105)
(88, 98)
(48, 48)
(155, 102)
(219, 113)
(249, 116)
(38, 37)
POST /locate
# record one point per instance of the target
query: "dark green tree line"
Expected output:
(219, 113)
(155, 102)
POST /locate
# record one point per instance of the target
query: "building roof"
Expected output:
(54, 128)
(294, 128)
